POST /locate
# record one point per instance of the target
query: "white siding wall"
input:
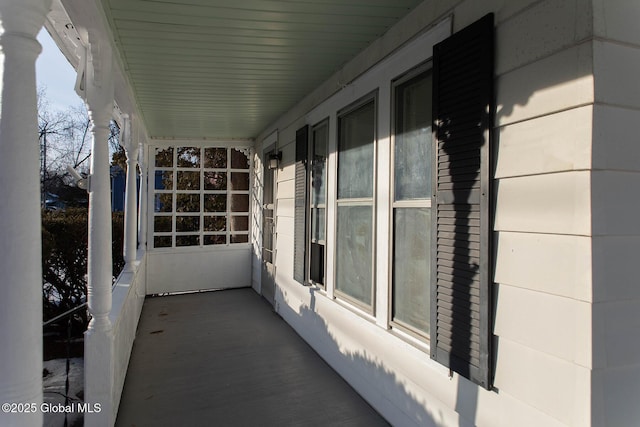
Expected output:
(543, 210)
(616, 209)
(285, 206)
(566, 208)
(194, 269)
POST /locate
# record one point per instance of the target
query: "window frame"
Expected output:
(309, 239)
(201, 214)
(422, 69)
(371, 97)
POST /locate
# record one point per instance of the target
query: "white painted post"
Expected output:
(130, 207)
(20, 221)
(142, 210)
(98, 356)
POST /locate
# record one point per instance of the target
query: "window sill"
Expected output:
(208, 248)
(347, 303)
(420, 343)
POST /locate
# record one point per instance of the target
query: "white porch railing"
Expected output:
(127, 300)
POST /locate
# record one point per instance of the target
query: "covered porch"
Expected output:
(420, 189)
(227, 356)
(191, 80)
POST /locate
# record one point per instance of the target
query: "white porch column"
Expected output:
(142, 210)
(98, 357)
(20, 222)
(130, 203)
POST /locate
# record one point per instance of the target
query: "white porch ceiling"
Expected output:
(228, 68)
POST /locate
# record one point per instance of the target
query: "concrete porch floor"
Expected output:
(225, 358)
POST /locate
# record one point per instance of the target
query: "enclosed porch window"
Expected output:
(200, 196)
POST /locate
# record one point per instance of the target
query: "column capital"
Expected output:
(141, 161)
(131, 148)
(23, 16)
(100, 116)
(131, 160)
(98, 82)
(20, 43)
(132, 155)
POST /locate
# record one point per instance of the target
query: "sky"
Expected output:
(54, 72)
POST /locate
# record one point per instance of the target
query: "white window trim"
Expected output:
(326, 122)
(378, 77)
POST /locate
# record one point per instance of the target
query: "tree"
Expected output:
(65, 140)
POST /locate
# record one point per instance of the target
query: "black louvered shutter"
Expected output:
(300, 213)
(460, 267)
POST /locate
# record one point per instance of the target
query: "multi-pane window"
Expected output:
(412, 201)
(201, 196)
(317, 200)
(355, 218)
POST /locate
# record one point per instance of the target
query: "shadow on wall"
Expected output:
(255, 228)
(541, 85)
(361, 371)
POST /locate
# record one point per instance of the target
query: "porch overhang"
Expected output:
(224, 69)
(197, 72)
